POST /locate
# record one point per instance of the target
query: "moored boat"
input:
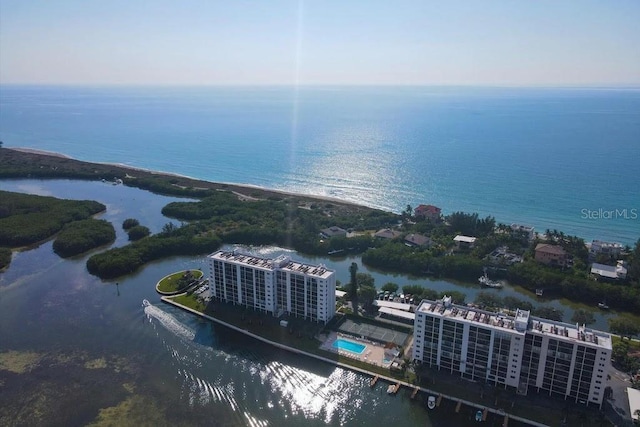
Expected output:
(485, 281)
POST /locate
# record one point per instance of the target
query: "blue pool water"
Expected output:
(351, 346)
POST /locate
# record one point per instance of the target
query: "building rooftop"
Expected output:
(387, 233)
(522, 227)
(519, 324)
(282, 262)
(570, 332)
(394, 305)
(417, 239)
(427, 208)
(444, 309)
(465, 239)
(398, 313)
(550, 249)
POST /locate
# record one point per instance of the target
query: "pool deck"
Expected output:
(373, 353)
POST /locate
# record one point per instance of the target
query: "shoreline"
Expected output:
(208, 184)
(498, 412)
(242, 190)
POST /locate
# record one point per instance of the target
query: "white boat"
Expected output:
(603, 305)
(145, 303)
(479, 416)
(431, 402)
(391, 389)
(485, 281)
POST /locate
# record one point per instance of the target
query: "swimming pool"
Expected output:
(351, 346)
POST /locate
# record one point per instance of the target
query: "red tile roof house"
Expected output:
(551, 255)
(430, 212)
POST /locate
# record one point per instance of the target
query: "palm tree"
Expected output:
(353, 286)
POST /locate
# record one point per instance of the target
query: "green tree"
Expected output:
(366, 295)
(488, 300)
(138, 232)
(129, 223)
(624, 327)
(548, 312)
(365, 279)
(583, 317)
(353, 286)
(390, 286)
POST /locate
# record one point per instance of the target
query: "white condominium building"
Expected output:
(522, 352)
(275, 286)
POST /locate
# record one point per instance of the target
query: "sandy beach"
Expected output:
(64, 164)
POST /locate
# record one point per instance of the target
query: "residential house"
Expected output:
(523, 230)
(428, 212)
(464, 242)
(609, 272)
(551, 255)
(334, 231)
(387, 233)
(598, 247)
(417, 240)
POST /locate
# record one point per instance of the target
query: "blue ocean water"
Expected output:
(565, 159)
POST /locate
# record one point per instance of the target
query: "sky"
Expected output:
(321, 42)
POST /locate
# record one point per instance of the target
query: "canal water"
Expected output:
(74, 348)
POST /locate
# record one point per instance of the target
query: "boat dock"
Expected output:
(373, 381)
(396, 387)
(415, 392)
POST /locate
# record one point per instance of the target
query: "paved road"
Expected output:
(617, 407)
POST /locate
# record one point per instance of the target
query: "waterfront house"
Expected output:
(333, 231)
(387, 233)
(598, 247)
(609, 272)
(417, 240)
(549, 254)
(428, 212)
(501, 255)
(464, 242)
(522, 353)
(522, 230)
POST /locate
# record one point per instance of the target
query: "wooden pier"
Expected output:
(458, 406)
(415, 392)
(438, 400)
(373, 381)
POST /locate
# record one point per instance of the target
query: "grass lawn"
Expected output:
(190, 301)
(176, 282)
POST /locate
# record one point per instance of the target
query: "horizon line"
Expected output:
(332, 85)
